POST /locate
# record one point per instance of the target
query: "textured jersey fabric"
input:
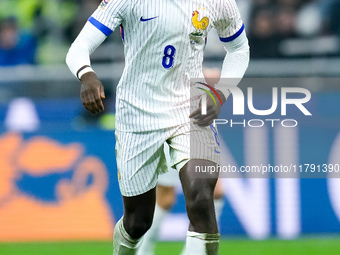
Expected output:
(163, 44)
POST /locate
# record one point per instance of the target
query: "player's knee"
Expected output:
(200, 208)
(200, 202)
(137, 227)
(139, 230)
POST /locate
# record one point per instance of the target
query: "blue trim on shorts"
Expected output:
(231, 38)
(106, 31)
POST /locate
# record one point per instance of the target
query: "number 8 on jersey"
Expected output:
(168, 58)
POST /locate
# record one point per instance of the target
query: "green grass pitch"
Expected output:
(303, 246)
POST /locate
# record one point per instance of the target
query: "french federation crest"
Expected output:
(199, 25)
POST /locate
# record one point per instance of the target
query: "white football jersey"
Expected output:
(163, 45)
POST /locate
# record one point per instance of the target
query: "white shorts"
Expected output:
(140, 155)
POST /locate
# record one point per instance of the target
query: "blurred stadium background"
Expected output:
(58, 187)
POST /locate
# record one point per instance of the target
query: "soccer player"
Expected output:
(166, 193)
(163, 44)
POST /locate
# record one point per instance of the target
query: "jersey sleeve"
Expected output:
(228, 23)
(109, 15)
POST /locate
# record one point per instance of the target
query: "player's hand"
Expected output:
(212, 111)
(92, 92)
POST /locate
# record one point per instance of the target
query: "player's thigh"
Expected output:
(198, 186)
(198, 193)
(138, 212)
(143, 204)
(140, 159)
(195, 152)
(193, 142)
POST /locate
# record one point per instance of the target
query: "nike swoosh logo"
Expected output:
(143, 20)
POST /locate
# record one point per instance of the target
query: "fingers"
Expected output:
(205, 122)
(207, 119)
(211, 110)
(98, 98)
(92, 100)
(99, 105)
(89, 103)
(102, 93)
(195, 113)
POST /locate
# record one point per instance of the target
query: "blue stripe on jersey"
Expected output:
(106, 31)
(233, 37)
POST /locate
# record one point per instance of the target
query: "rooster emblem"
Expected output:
(199, 25)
